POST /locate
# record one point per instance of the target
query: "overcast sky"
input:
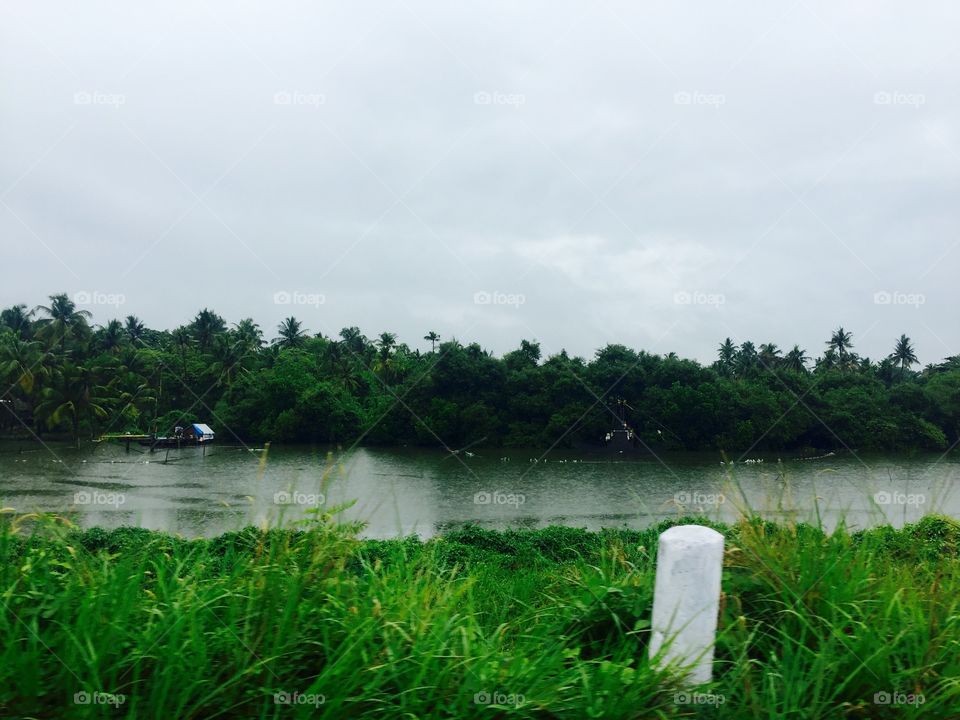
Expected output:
(662, 175)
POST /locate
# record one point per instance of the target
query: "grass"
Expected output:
(550, 623)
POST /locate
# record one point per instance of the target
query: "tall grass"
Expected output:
(554, 623)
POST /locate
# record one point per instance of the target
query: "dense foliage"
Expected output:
(551, 623)
(60, 374)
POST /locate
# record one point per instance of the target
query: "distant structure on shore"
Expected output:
(622, 436)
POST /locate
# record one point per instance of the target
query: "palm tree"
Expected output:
(229, 358)
(183, 340)
(903, 354)
(354, 341)
(384, 363)
(340, 366)
(74, 396)
(64, 319)
(134, 329)
(796, 360)
(18, 319)
(828, 361)
(133, 385)
(206, 325)
(726, 353)
(386, 341)
(433, 337)
(746, 359)
(249, 334)
(111, 336)
(292, 334)
(22, 362)
(841, 342)
(769, 355)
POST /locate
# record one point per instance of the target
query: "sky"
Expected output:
(662, 175)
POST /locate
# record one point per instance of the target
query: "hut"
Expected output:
(196, 433)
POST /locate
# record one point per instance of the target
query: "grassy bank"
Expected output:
(534, 624)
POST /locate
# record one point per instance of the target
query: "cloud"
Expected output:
(596, 159)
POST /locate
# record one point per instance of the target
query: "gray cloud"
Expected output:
(659, 176)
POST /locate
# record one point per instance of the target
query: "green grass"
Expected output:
(555, 621)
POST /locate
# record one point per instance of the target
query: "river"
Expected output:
(400, 491)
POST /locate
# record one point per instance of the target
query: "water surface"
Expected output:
(403, 491)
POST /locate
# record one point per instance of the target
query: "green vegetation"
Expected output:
(59, 374)
(554, 623)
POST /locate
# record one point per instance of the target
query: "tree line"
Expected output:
(62, 375)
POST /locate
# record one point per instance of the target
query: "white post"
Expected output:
(686, 599)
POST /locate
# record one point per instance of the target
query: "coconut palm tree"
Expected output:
(18, 319)
(746, 359)
(434, 338)
(339, 364)
(72, 397)
(133, 386)
(22, 362)
(249, 334)
(24, 366)
(796, 360)
(64, 320)
(829, 361)
(354, 341)
(111, 337)
(841, 342)
(135, 329)
(292, 334)
(726, 353)
(903, 354)
(769, 356)
(183, 340)
(206, 325)
(385, 342)
(229, 358)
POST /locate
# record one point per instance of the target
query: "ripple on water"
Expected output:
(86, 482)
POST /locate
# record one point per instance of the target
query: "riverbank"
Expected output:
(528, 624)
